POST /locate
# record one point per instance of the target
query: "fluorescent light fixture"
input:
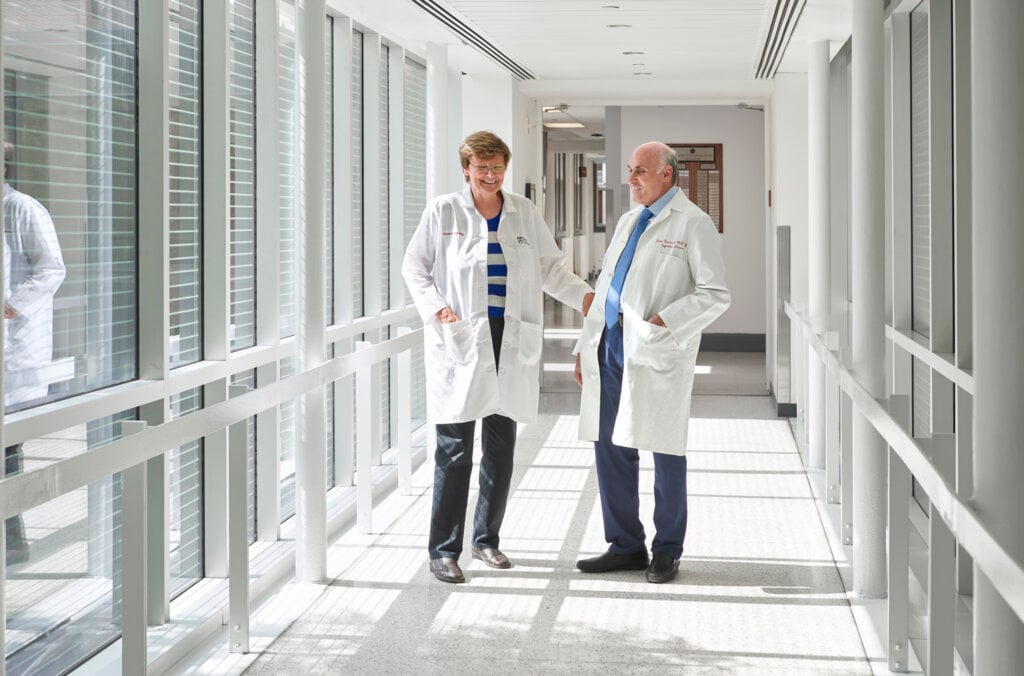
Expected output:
(563, 125)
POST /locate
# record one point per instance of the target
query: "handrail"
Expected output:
(1004, 572)
(33, 488)
(37, 421)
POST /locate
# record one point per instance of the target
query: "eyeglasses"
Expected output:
(496, 169)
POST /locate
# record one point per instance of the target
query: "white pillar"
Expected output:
(998, 179)
(868, 295)
(437, 120)
(818, 240)
(311, 446)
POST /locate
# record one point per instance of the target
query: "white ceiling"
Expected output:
(694, 51)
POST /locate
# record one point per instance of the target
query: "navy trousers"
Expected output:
(453, 464)
(618, 472)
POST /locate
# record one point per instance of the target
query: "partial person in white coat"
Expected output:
(476, 268)
(33, 270)
(662, 282)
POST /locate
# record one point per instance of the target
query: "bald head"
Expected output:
(652, 172)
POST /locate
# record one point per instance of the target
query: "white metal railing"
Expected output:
(912, 458)
(141, 443)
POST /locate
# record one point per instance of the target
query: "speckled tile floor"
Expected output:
(758, 590)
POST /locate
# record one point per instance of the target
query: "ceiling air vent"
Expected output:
(784, 20)
(435, 10)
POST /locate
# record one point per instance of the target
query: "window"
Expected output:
(185, 170)
(416, 199)
(289, 109)
(243, 174)
(69, 111)
(186, 531)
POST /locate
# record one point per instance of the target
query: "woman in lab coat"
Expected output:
(476, 269)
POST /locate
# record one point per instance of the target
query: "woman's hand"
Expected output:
(446, 316)
(578, 373)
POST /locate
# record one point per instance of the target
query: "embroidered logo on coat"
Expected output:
(450, 233)
(522, 241)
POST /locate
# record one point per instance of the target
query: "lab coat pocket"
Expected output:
(458, 342)
(531, 342)
(656, 346)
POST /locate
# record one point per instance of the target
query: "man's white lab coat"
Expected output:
(446, 265)
(677, 272)
(34, 269)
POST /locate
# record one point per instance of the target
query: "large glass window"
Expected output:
(416, 199)
(288, 100)
(69, 197)
(186, 523)
(356, 103)
(243, 174)
(384, 256)
(185, 256)
(248, 379)
(64, 598)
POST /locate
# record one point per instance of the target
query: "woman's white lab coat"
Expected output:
(446, 265)
(677, 272)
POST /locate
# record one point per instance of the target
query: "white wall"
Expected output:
(788, 181)
(493, 103)
(741, 133)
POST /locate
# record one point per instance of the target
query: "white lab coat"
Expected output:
(677, 272)
(34, 269)
(446, 265)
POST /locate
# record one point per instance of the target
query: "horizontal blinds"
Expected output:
(185, 196)
(415, 124)
(243, 174)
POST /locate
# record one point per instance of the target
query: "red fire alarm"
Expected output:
(583, 172)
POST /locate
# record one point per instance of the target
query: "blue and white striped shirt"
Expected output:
(497, 270)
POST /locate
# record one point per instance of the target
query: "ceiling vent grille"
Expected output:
(784, 20)
(435, 10)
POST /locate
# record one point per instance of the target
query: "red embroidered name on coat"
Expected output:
(673, 243)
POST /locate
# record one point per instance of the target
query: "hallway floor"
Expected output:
(758, 590)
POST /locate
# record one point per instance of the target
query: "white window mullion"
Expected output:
(373, 138)
(154, 204)
(344, 401)
(216, 179)
(268, 489)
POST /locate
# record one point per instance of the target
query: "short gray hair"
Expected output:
(669, 157)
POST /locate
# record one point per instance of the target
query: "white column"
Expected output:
(868, 295)
(998, 177)
(437, 120)
(311, 447)
(268, 245)
(818, 240)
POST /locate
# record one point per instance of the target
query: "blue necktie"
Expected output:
(612, 307)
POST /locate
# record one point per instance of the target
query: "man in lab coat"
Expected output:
(33, 270)
(661, 284)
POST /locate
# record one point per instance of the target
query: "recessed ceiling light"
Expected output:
(564, 125)
(620, 25)
(632, 53)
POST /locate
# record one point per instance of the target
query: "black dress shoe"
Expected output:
(663, 568)
(446, 569)
(492, 556)
(610, 561)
